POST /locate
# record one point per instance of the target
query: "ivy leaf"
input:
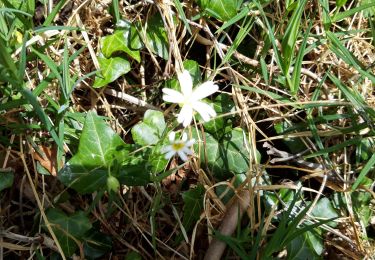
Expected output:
(150, 130)
(218, 126)
(324, 209)
(234, 151)
(96, 244)
(193, 205)
(111, 69)
(209, 153)
(99, 147)
(68, 227)
(135, 175)
(220, 9)
(156, 37)
(118, 42)
(6, 179)
(224, 158)
(157, 159)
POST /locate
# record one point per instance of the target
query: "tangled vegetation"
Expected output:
(176, 129)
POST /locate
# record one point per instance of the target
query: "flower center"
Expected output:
(178, 146)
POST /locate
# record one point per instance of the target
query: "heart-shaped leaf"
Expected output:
(117, 42)
(156, 37)
(193, 205)
(221, 9)
(111, 69)
(224, 158)
(6, 179)
(150, 130)
(99, 148)
(68, 228)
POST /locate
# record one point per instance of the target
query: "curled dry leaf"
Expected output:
(48, 159)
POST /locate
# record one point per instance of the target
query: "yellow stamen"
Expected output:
(178, 146)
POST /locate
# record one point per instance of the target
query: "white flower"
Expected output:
(190, 99)
(181, 147)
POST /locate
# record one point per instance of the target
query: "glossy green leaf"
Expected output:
(111, 69)
(6, 179)
(224, 158)
(135, 175)
(99, 148)
(220, 9)
(157, 159)
(300, 250)
(118, 43)
(218, 126)
(193, 206)
(324, 209)
(68, 227)
(150, 130)
(96, 244)
(130, 33)
(156, 37)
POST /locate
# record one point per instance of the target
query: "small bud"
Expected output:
(113, 184)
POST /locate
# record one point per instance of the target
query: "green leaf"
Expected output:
(135, 175)
(150, 130)
(218, 126)
(298, 249)
(6, 179)
(157, 159)
(111, 69)
(324, 209)
(234, 151)
(133, 40)
(156, 37)
(117, 42)
(96, 244)
(193, 205)
(68, 227)
(99, 148)
(220, 9)
(224, 158)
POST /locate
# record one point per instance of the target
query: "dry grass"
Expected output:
(129, 222)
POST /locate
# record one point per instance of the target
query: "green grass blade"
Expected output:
(364, 172)
(54, 12)
(116, 10)
(290, 37)
(296, 76)
(343, 53)
(29, 96)
(340, 16)
(353, 141)
(50, 63)
(180, 11)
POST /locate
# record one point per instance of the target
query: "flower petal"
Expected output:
(205, 110)
(169, 155)
(190, 142)
(186, 115)
(172, 136)
(172, 96)
(166, 149)
(204, 90)
(186, 83)
(187, 151)
(184, 137)
(182, 156)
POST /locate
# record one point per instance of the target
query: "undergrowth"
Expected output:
(187, 129)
